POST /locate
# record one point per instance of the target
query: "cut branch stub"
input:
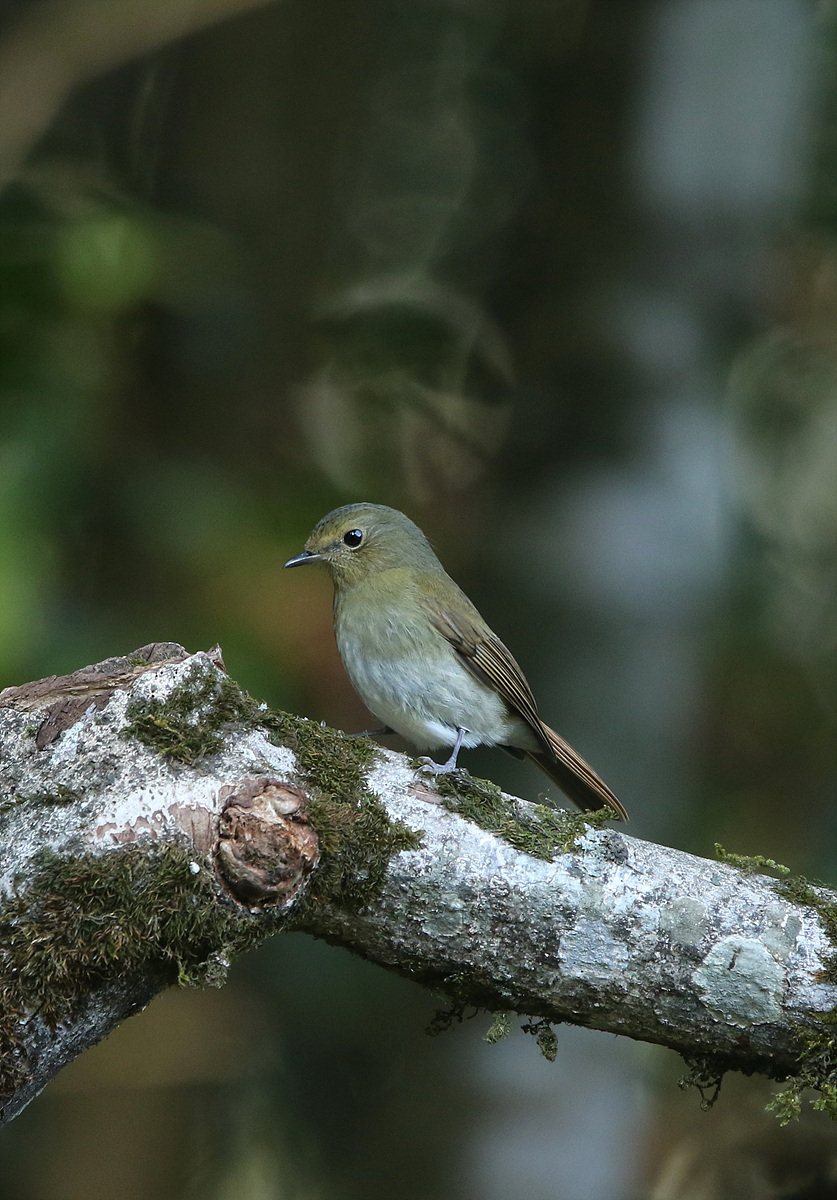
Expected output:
(266, 846)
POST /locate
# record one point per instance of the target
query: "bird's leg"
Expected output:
(445, 768)
(385, 729)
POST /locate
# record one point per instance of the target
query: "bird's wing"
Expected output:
(490, 662)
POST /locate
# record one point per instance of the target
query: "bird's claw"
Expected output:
(446, 768)
(429, 766)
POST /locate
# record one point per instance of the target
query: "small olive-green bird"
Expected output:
(421, 657)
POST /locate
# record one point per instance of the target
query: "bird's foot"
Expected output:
(429, 766)
(446, 768)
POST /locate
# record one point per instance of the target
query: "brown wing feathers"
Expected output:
(488, 660)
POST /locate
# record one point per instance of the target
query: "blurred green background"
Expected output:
(559, 280)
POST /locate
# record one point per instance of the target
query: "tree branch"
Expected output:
(58, 45)
(155, 821)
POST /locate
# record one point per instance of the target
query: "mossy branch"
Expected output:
(156, 821)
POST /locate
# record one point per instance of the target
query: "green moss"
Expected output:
(545, 1036)
(500, 1028)
(817, 1070)
(61, 795)
(787, 1104)
(82, 921)
(357, 837)
(336, 761)
(749, 863)
(542, 834)
(189, 723)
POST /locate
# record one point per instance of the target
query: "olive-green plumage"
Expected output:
(421, 657)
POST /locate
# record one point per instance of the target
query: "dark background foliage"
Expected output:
(557, 279)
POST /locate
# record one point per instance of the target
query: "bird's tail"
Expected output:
(574, 776)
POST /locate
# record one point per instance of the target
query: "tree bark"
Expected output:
(155, 821)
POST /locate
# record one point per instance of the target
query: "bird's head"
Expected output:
(358, 540)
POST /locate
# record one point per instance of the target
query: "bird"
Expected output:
(422, 658)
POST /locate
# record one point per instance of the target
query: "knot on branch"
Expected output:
(266, 846)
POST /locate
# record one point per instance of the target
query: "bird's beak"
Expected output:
(306, 556)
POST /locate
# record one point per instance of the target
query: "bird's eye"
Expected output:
(353, 538)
